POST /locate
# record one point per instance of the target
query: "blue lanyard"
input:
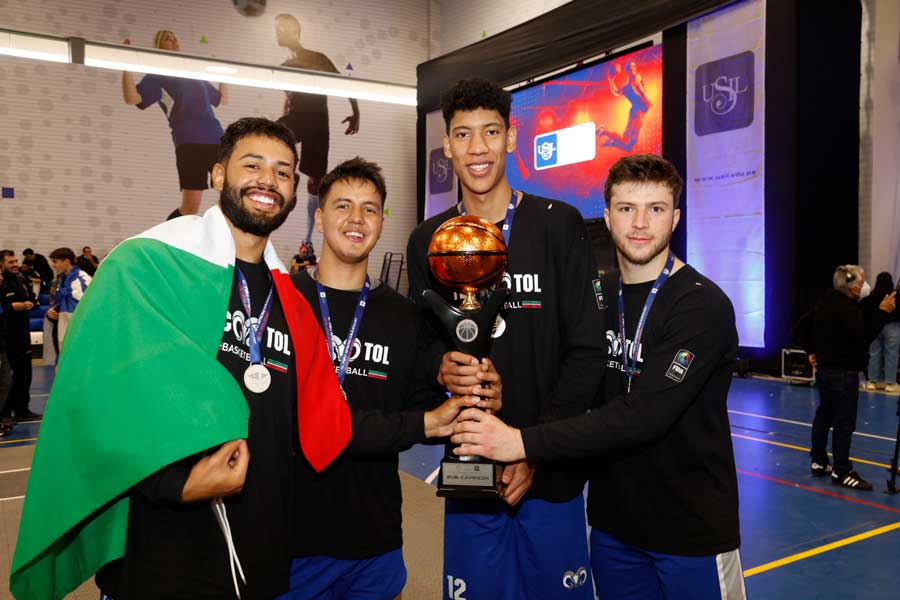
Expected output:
(631, 366)
(256, 329)
(507, 222)
(354, 324)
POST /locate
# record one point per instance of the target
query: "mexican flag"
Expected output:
(139, 387)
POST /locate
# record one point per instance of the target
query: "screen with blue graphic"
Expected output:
(572, 128)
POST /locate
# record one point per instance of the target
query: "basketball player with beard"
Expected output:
(663, 501)
(177, 545)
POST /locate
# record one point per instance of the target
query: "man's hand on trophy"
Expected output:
(485, 435)
(463, 374)
(440, 421)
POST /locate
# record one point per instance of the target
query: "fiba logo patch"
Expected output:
(723, 94)
(440, 172)
(574, 579)
(466, 330)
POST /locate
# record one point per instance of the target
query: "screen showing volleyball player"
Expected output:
(573, 127)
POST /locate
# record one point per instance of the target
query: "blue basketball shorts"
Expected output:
(538, 551)
(624, 571)
(381, 577)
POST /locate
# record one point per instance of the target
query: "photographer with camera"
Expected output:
(837, 338)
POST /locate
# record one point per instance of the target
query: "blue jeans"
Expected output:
(885, 347)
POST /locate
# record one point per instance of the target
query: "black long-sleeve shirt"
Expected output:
(836, 332)
(548, 344)
(15, 288)
(352, 509)
(663, 476)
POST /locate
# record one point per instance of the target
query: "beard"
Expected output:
(231, 202)
(649, 253)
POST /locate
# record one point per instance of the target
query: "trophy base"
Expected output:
(479, 479)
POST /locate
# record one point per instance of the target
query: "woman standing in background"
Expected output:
(884, 350)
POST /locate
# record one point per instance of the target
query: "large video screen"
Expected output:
(572, 128)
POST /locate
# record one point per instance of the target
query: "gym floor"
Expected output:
(802, 537)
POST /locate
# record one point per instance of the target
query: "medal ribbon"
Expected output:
(507, 222)
(631, 366)
(354, 324)
(256, 329)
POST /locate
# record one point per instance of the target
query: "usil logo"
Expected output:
(545, 150)
(574, 579)
(440, 169)
(722, 93)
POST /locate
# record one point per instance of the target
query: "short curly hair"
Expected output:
(472, 94)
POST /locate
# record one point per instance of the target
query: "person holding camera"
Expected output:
(837, 339)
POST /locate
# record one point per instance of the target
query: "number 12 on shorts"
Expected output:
(456, 587)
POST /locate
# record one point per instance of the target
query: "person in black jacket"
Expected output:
(348, 537)
(17, 299)
(5, 369)
(884, 349)
(548, 346)
(40, 265)
(837, 338)
(663, 498)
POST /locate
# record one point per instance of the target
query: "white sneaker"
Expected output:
(870, 386)
(892, 388)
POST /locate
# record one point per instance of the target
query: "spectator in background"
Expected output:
(87, 262)
(305, 258)
(40, 265)
(836, 337)
(5, 370)
(72, 286)
(26, 270)
(884, 349)
(17, 300)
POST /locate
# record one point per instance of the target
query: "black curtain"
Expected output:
(574, 31)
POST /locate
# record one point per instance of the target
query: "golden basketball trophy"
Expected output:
(467, 254)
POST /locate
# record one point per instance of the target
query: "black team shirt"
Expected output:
(548, 345)
(176, 551)
(351, 510)
(663, 476)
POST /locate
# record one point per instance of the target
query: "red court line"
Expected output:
(819, 491)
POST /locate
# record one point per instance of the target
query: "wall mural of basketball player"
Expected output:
(633, 90)
(196, 132)
(306, 115)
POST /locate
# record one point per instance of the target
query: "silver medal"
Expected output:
(257, 378)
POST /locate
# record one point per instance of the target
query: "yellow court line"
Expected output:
(16, 441)
(820, 550)
(792, 447)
